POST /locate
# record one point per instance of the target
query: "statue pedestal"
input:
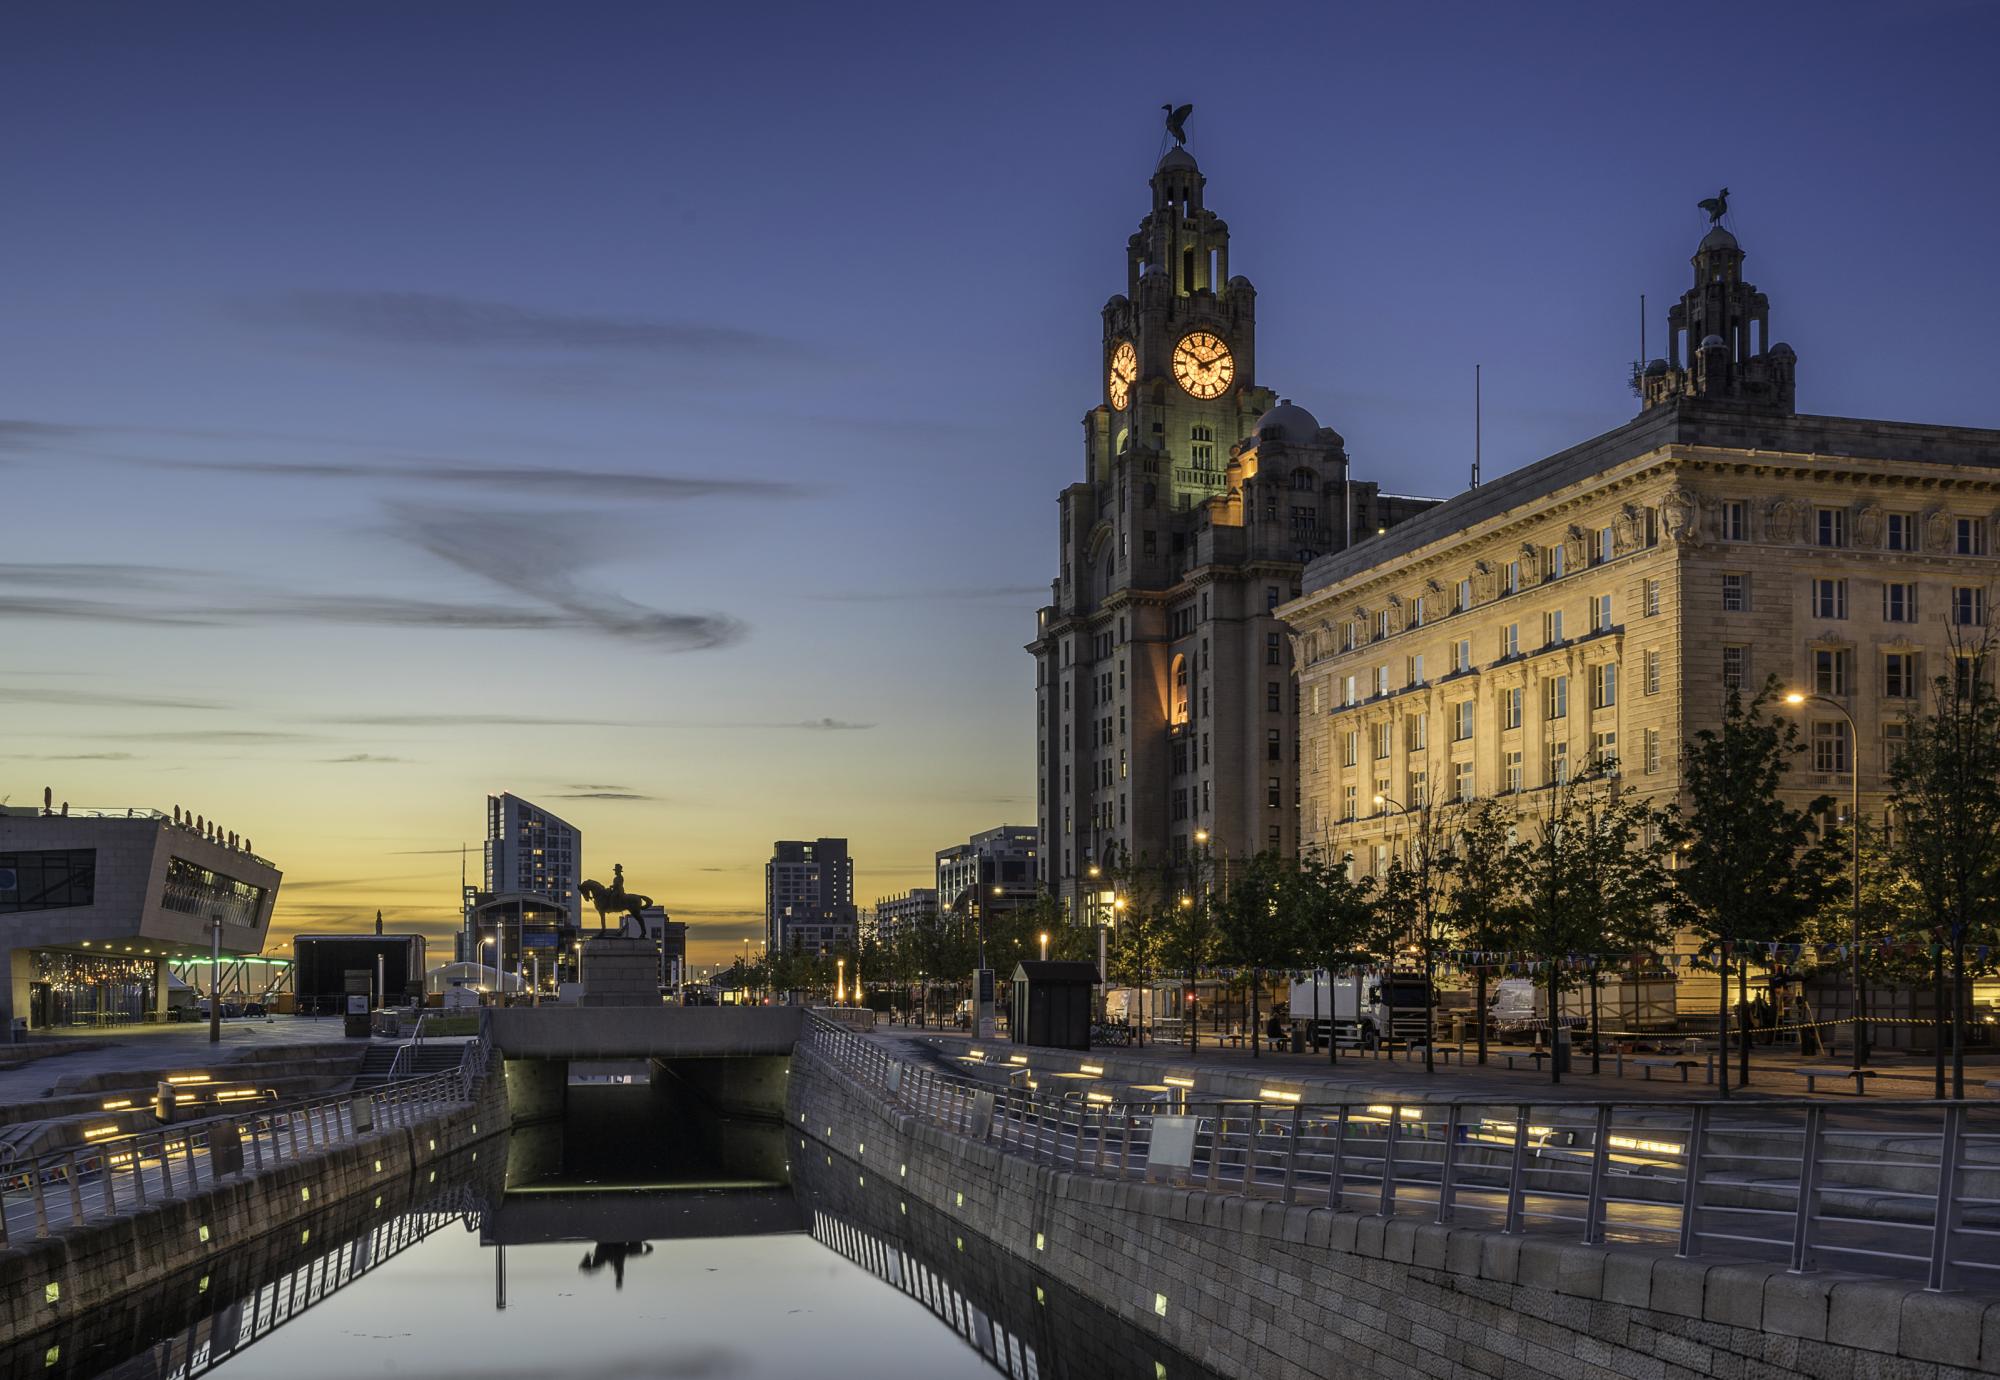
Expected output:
(621, 972)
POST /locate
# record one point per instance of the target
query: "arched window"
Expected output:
(1124, 440)
(1178, 707)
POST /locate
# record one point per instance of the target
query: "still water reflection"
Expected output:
(832, 1274)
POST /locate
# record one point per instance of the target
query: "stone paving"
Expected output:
(131, 1049)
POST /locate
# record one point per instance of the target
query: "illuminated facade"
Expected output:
(1163, 674)
(94, 904)
(809, 896)
(529, 850)
(1594, 607)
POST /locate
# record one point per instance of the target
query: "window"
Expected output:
(1384, 740)
(1968, 670)
(1273, 650)
(1604, 750)
(1270, 597)
(1829, 747)
(1201, 446)
(1461, 721)
(1899, 675)
(1273, 697)
(1607, 544)
(1417, 612)
(1461, 655)
(1829, 598)
(1464, 596)
(1510, 641)
(1347, 636)
(1510, 771)
(1552, 562)
(1381, 794)
(1416, 669)
(1971, 537)
(1417, 791)
(1902, 532)
(1419, 732)
(1895, 738)
(1274, 746)
(1555, 764)
(1651, 595)
(1600, 613)
(1510, 708)
(1274, 792)
(1510, 578)
(1735, 667)
(1350, 747)
(54, 879)
(1348, 799)
(1604, 685)
(1968, 606)
(1652, 669)
(1832, 670)
(1736, 521)
(1651, 740)
(1347, 695)
(1735, 593)
(1461, 781)
(1552, 627)
(1830, 527)
(1899, 603)
(1555, 697)
(1381, 680)
(1381, 625)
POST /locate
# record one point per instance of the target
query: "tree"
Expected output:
(1139, 924)
(1751, 867)
(1337, 921)
(1190, 941)
(1891, 903)
(1556, 916)
(1485, 899)
(1945, 791)
(1259, 923)
(1619, 876)
(1414, 892)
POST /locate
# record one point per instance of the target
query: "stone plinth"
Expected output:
(621, 972)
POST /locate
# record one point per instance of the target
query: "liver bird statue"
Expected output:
(1177, 121)
(1717, 206)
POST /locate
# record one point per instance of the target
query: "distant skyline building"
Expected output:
(1163, 675)
(809, 896)
(998, 868)
(531, 851)
(895, 915)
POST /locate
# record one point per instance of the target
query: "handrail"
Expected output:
(82, 1184)
(1895, 1188)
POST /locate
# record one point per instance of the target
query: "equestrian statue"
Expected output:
(615, 900)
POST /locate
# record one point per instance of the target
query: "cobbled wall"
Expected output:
(1256, 1288)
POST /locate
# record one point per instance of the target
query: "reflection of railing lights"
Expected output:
(1277, 1095)
(1097, 1069)
(117, 1104)
(179, 1078)
(1174, 1082)
(1097, 1097)
(1017, 1058)
(1407, 1113)
(234, 1094)
(99, 1132)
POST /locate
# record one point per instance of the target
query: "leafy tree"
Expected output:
(1190, 941)
(1946, 795)
(1415, 892)
(1556, 918)
(1337, 920)
(1485, 901)
(1620, 876)
(1751, 867)
(1259, 923)
(1140, 925)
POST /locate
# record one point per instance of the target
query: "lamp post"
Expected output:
(1797, 697)
(1045, 946)
(214, 981)
(494, 940)
(840, 984)
(1202, 866)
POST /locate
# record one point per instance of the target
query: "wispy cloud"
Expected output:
(603, 795)
(962, 595)
(16, 434)
(540, 480)
(72, 756)
(213, 735)
(442, 321)
(816, 725)
(98, 699)
(361, 758)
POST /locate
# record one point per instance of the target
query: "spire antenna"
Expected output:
(1477, 423)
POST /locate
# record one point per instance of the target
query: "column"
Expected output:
(160, 981)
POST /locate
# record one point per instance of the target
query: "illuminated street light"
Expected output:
(1797, 697)
(1045, 946)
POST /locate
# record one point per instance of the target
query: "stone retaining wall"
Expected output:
(48, 1279)
(1256, 1288)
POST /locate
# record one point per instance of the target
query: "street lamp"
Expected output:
(1798, 697)
(840, 986)
(1045, 946)
(494, 940)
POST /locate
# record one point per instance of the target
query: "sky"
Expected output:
(658, 410)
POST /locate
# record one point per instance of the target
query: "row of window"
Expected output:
(1554, 633)
(1829, 599)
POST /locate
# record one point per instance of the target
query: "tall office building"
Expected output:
(529, 850)
(808, 896)
(995, 869)
(1163, 674)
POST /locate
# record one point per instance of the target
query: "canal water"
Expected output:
(823, 1270)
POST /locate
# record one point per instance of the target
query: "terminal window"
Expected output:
(47, 879)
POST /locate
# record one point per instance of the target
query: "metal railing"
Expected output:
(1893, 1188)
(116, 1174)
(406, 1053)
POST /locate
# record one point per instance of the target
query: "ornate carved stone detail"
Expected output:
(1785, 520)
(1630, 528)
(1937, 531)
(1680, 516)
(1868, 526)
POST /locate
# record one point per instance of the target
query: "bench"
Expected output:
(1510, 1055)
(1814, 1072)
(1684, 1065)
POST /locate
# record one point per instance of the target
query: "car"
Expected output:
(255, 1008)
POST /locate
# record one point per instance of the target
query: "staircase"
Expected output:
(422, 1060)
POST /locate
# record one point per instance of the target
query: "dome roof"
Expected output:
(1178, 157)
(1656, 367)
(1783, 351)
(1714, 342)
(1288, 422)
(1718, 238)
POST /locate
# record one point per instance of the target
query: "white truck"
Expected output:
(1363, 1007)
(1518, 1008)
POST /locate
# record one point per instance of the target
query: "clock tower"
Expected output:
(1166, 725)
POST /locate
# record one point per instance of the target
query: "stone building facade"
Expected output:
(1595, 606)
(1163, 674)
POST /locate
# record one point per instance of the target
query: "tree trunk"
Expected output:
(1430, 1014)
(1958, 1015)
(1937, 1012)
(1743, 1022)
(1479, 1003)
(1722, 1026)
(1255, 1029)
(1315, 1029)
(1554, 1024)
(1596, 1032)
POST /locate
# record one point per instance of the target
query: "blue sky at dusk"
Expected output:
(659, 410)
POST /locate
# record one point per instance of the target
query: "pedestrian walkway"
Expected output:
(131, 1049)
(1771, 1075)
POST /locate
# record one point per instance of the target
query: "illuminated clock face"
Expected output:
(1124, 373)
(1203, 365)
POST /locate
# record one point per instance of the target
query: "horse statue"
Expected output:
(615, 899)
